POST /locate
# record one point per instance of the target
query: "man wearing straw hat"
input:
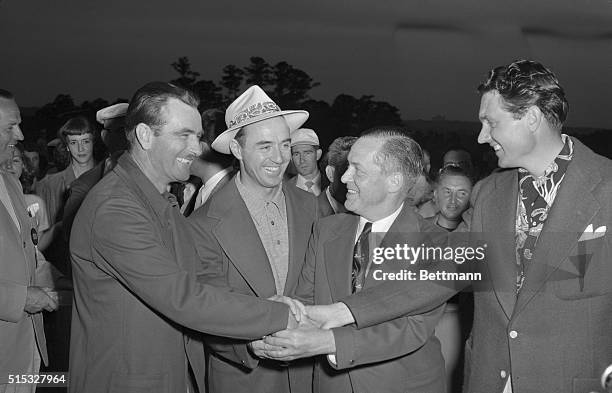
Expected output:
(252, 235)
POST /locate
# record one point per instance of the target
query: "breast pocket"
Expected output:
(586, 273)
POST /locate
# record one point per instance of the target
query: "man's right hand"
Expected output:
(330, 316)
(38, 300)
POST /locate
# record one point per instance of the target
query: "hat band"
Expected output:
(252, 111)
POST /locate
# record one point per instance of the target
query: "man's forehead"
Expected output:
(9, 109)
(304, 147)
(455, 181)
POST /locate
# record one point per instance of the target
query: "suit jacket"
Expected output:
(77, 192)
(402, 355)
(325, 208)
(554, 337)
(19, 332)
(191, 204)
(232, 253)
(136, 296)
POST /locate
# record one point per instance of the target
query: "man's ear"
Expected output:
(319, 154)
(329, 172)
(144, 136)
(533, 118)
(236, 149)
(395, 181)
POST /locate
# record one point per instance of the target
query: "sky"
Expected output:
(426, 57)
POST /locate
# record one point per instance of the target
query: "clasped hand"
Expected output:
(310, 337)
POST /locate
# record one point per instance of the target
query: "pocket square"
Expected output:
(590, 234)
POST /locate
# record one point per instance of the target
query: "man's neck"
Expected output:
(147, 169)
(311, 176)
(545, 155)
(265, 193)
(447, 223)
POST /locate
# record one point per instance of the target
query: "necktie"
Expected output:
(309, 185)
(361, 253)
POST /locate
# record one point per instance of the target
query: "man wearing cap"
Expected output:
(22, 338)
(252, 235)
(305, 153)
(112, 118)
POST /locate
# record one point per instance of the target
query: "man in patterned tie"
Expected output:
(545, 324)
(305, 153)
(397, 356)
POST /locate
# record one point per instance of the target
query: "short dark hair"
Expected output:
(338, 151)
(213, 124)
(147, 103)
(525, 83)
(398, 153)
(452, 170)
(7, 95)
(79, 125)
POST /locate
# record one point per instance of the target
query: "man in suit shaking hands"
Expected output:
(544, 325)
(401, 355)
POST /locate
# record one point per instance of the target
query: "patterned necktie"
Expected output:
(361, 253)
(309, 185)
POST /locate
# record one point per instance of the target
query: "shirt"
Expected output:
(270, 219)
(300, 182)
(208, 187)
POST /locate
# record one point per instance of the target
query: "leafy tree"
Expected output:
(209, 93)
(187, 76)
(258, 72)
(291, 86)
(231, 80)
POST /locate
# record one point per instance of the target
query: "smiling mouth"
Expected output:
(272, 170)
(185, 161)
(496, 147)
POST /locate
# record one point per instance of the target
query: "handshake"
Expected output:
(308, 331)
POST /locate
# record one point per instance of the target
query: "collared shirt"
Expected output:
(336, 206)
(535, 198)
(316, 183)
(270, 219)
(379, 227)
(208, 187)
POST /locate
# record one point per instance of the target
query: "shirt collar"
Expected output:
(382, 225)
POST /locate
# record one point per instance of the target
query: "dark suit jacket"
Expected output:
(555, 336)
(191, 204)
(325, 208)
(77, 192)
(401, 355)
(232, 253)
(136, 296)
(19, 331)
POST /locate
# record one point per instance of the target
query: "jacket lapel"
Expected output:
(298, 233)
(564, 225)
(338, 255)
(238, 237)
(499, 217)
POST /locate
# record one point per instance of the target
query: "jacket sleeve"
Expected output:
(12, 301)
(127, 247)
(384, 341)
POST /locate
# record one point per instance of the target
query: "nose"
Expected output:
(81, 146)
(18, 135)
(484, 136)
(196, 146)
(347, 176)
(454, 199)
(276, 155)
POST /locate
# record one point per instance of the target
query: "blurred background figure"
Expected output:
(212, 170)
(331, 200)
(305, 153)
(451, 195)
(77, 136)
(112, 119)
